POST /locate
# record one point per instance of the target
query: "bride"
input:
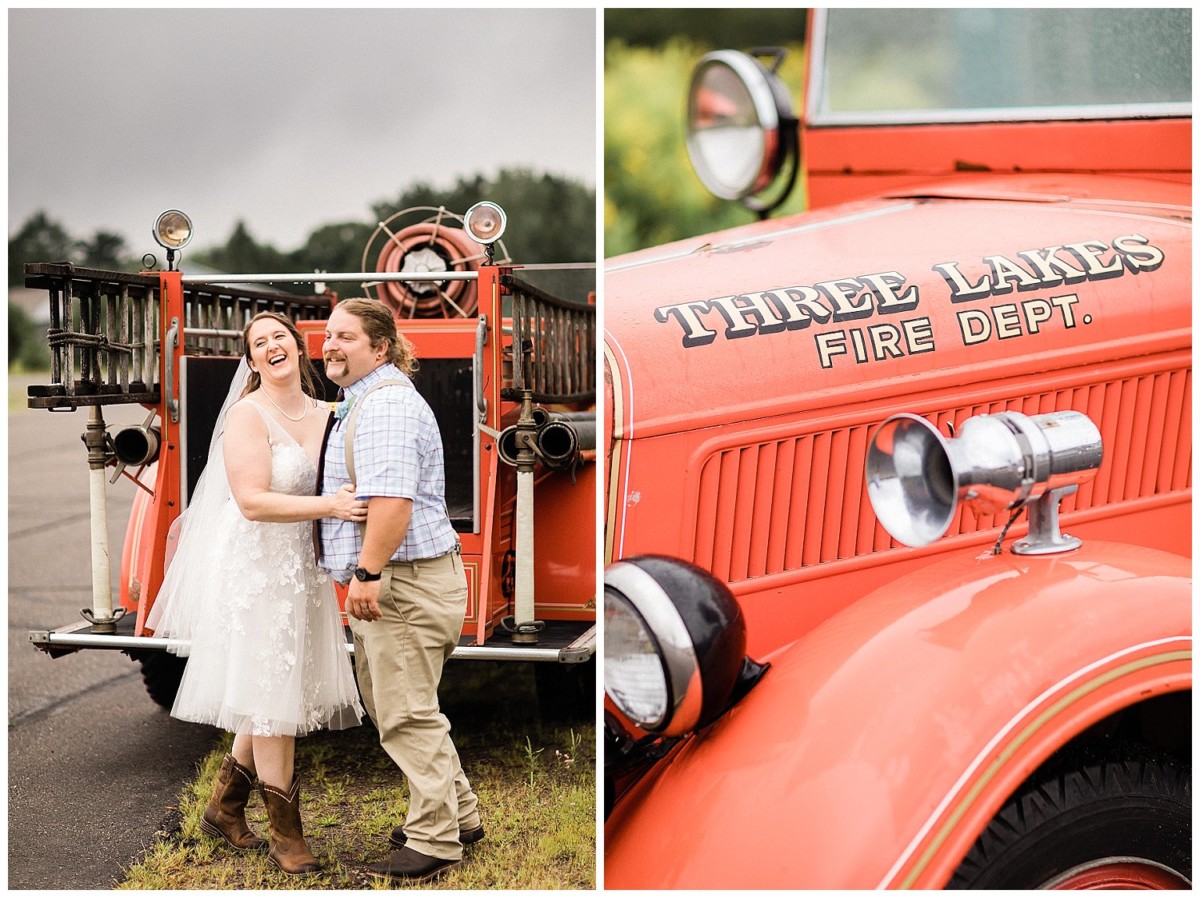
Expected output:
(267, 657)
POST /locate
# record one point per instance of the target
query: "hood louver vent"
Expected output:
(780, 505)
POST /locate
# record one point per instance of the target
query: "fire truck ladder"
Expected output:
(105, 349)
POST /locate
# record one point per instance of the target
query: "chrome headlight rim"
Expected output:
(676, 652)
(756, 80)
(475, 222)
(166, 224)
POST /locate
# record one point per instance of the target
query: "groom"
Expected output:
(408, 592)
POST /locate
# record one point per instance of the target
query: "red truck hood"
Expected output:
(969, 281)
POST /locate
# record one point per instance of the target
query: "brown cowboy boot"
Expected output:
(408, 865)
(225, 816)
(288, 849)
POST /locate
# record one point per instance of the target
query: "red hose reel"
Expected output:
(432, 242)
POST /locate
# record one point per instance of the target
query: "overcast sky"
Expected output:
(288, 119)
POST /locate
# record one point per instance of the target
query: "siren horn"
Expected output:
(916, 477)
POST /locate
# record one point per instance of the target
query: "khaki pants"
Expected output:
(398, 661)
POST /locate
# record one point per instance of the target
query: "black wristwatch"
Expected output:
(363, 574)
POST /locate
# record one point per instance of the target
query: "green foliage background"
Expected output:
(651, 193)
(550, 220)
(728, 28)
(27, 349)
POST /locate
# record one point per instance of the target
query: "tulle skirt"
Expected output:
(268, 652)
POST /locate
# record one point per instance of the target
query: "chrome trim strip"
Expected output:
(766, 236)
(816, 65)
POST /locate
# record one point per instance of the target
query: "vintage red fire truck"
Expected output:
(898, 528)
(508, 368)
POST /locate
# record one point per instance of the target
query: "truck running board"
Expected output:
(564, 642)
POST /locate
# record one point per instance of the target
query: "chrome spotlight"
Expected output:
(916, 477)
(741, 133)
(485, 222)
(172, 231)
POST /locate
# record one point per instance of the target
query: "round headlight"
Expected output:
(173, 230)
(674, 644)
(485, 222)
(734, 119)
(634, 675)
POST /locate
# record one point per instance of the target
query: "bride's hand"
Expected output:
(346, 507)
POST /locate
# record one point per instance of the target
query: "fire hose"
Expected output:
(424, 248)
(559, 438)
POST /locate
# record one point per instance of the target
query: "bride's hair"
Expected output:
(308, 373)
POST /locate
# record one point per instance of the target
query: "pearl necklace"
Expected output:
(303, 411)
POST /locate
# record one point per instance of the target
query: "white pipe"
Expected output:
(303, 277)
(102, 609)
(523, 604)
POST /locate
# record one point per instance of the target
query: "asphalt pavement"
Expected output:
(94, 766)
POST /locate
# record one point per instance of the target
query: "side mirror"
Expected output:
(741, 133)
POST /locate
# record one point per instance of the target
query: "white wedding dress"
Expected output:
(267, 654)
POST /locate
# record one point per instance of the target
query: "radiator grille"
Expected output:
(777, 506)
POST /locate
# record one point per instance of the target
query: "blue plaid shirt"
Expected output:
(397, 453)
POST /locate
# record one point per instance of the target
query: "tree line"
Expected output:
(551, 219)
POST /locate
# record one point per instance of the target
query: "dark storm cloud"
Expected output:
(285, 118)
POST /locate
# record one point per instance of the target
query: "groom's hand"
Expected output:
(362, 600)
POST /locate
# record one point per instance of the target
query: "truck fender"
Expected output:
(136, 557)
(882, 743)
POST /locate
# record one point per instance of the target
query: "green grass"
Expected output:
(535, 781)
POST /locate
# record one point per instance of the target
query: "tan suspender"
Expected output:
(352, 422)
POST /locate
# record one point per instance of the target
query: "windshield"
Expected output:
(878, 66)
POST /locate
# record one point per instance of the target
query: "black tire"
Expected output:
(161, 673)
(1121, 813)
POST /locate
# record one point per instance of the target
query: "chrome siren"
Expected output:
(916, 477)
